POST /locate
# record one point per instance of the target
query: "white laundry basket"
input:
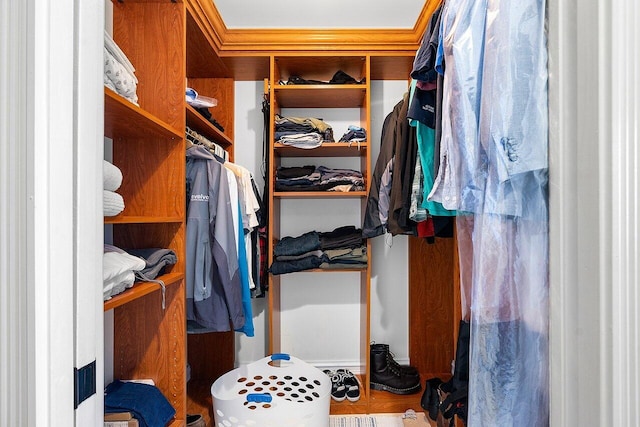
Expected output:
(276, 391)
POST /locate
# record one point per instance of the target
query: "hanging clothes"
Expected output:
(214, 294)
(493, 171)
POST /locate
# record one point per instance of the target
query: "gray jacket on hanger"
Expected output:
(214, 299)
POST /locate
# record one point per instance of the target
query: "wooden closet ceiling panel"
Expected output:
(245, 51)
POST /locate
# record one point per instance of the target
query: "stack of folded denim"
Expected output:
(341, 248)
(147, 404)
(321, 178)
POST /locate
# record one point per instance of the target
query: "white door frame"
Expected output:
(594, 212)
(594, 85)
(51, 209)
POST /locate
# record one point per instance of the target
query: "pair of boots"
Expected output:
(389, 375)
(443, 401)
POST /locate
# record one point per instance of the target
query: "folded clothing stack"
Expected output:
(321, 178)
(119, 74)
(121, 268)
(342, 248)
(354, 134)
(146, 402)
(302, 132)
(112, 202)
(118, 270)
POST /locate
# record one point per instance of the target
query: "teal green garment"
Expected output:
(426, 144)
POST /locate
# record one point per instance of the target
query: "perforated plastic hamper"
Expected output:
(263, 394)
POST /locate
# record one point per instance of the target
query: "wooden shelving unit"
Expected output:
(148, 147)
(316, 97)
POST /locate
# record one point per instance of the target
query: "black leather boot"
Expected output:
(404, 369)
(386, 376)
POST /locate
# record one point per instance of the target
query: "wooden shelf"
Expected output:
(141, 289)
(362, 269)
(124, 120)
(201, 125)
(327, 149)
(177, 423)
(385, 402)
(123, 219)
(321, 96)
(319, 194)
(321, 66)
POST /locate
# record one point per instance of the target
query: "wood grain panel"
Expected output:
(122, 119)
(152, 35)
(318, 65)
(396, 66)
(431, 297)
(153, 345)
(321, 96)
(153, 172)
(210, 355)
(327, 149)
(202, 57)
(223, 90)
(197, 122)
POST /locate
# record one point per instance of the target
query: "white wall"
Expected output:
(321, 304)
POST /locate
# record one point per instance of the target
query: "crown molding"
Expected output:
(244, 53)
(257, 41)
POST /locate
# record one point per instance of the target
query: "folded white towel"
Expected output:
(112, 203)
(118, 269)
(117, 284)
(111, 176)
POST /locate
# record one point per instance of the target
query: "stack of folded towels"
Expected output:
(113, 203)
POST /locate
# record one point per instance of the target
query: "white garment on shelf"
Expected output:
(119, 74)
(111, 176)
(118, 269)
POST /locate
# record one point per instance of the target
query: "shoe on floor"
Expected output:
(351, 384)
(195, 421)
(338, 389)
(386, 376)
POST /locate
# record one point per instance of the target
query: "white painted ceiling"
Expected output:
(329, 14)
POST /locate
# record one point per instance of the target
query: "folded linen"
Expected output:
(111, 176)
(156, 259)
(119, 55)
(117, 284)
(112, 203)
(117, 269)
(123, 81)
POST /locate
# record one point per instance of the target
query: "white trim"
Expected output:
(88, 232)
(14, 391)
(624, 89)
(50, 229)
(595, 212)
(580, 392)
